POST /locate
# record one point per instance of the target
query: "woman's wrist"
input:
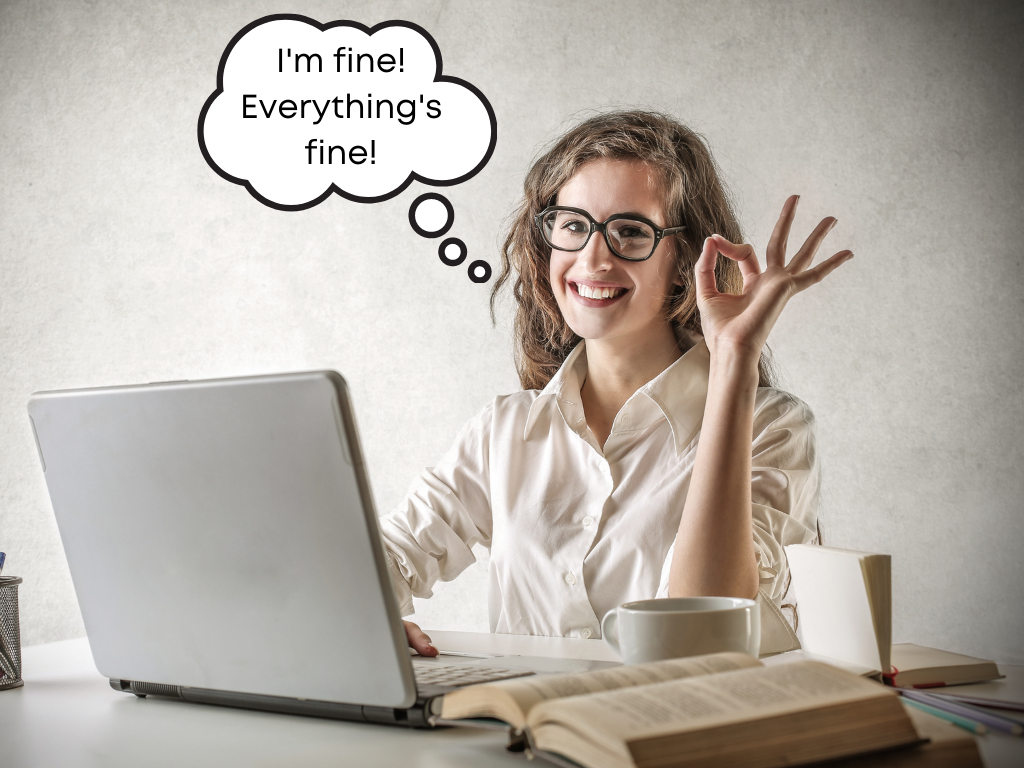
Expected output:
(736, 365)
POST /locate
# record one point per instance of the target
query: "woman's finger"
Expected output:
(803, 258)
(809, 277)
(704, 270)
(776, 253)
(743, 254)
(418, 640)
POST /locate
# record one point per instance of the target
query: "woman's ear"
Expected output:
(683, 267)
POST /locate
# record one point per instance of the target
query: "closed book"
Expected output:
(916, 666)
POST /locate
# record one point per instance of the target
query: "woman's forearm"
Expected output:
(714, 547)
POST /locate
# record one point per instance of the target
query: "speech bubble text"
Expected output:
(303, 110)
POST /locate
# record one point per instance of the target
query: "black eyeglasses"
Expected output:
(629, 237)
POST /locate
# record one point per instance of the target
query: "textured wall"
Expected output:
(124, 258)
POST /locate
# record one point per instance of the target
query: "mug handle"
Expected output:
(610, 628)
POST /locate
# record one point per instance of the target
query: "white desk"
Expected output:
(67, 716)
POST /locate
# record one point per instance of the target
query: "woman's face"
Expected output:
(602, 296)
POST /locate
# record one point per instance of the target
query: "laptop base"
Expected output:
(414, 717)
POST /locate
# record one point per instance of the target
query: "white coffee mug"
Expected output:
(668, 628)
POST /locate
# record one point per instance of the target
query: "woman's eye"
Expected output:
(633, 233)
(576, 226)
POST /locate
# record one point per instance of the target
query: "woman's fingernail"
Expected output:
(431, 645)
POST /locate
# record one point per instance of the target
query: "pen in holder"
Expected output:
(10, 634)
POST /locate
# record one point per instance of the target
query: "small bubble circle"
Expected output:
(431, 215)
(452, 251)
(479, 271)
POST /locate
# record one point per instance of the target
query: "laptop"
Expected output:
(223, 543)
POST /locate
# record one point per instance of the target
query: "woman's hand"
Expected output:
(418, 640)
(741, 322)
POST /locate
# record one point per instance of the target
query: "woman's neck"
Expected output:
(617, 368)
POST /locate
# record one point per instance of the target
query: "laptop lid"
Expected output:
(221, 534)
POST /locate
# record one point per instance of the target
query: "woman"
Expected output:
(647, 454)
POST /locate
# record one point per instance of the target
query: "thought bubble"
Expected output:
(304, 109)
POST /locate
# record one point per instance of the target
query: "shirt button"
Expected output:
(587, 521)
(570, 579)
(586, 633)
(625, 418)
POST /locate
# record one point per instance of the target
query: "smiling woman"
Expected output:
(648, 454)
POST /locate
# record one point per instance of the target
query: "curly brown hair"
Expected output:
(696, 199)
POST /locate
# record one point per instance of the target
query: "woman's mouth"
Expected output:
(597, 295)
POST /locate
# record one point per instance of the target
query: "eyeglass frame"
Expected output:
(602, 227)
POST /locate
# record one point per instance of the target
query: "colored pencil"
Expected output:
(981, 701)
(949, 717)
(990, 719)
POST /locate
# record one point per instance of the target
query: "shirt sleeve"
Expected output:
(430, 535)
(784, 492)
(784, 485)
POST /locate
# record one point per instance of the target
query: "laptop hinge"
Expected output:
(142, 690)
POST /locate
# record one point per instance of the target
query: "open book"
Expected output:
(845, 603)
(724, 708)
(846, 618)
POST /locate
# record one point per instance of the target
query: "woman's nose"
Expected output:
(596, 256)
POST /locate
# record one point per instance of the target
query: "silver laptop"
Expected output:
(224, 547)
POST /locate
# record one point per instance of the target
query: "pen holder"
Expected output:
(10, 634)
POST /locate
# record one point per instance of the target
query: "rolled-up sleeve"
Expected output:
(784, 495)
(430, 535)
(784, 485)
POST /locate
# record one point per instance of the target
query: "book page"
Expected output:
(530, 691)
(691, 704)
(877, 571)
(835, 612)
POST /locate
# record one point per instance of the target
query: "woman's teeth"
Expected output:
(598, 293)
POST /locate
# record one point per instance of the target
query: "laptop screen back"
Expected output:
(221, 534)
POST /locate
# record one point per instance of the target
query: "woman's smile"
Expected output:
(596, 293)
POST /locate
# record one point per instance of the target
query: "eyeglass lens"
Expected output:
(568, 231)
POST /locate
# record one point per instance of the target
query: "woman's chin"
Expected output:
(591, 331)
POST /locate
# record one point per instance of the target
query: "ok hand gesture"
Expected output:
(741, 322)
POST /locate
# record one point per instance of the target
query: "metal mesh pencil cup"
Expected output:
(10, 634)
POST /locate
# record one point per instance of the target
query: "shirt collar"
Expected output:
(680, 391)
(563, 391)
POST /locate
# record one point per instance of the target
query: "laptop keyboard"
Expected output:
(458, 675)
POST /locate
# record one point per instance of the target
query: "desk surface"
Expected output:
(67, 715)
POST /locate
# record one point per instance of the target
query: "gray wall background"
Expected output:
(124, 258)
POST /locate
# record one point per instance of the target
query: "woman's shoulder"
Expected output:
(505, 411)
(772, 405)
(513, 408)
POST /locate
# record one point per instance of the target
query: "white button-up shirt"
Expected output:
(574, 530)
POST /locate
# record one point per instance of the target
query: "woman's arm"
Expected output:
(714, 549)
(432, 532)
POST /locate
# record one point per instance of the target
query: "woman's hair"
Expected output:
(695, 198)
